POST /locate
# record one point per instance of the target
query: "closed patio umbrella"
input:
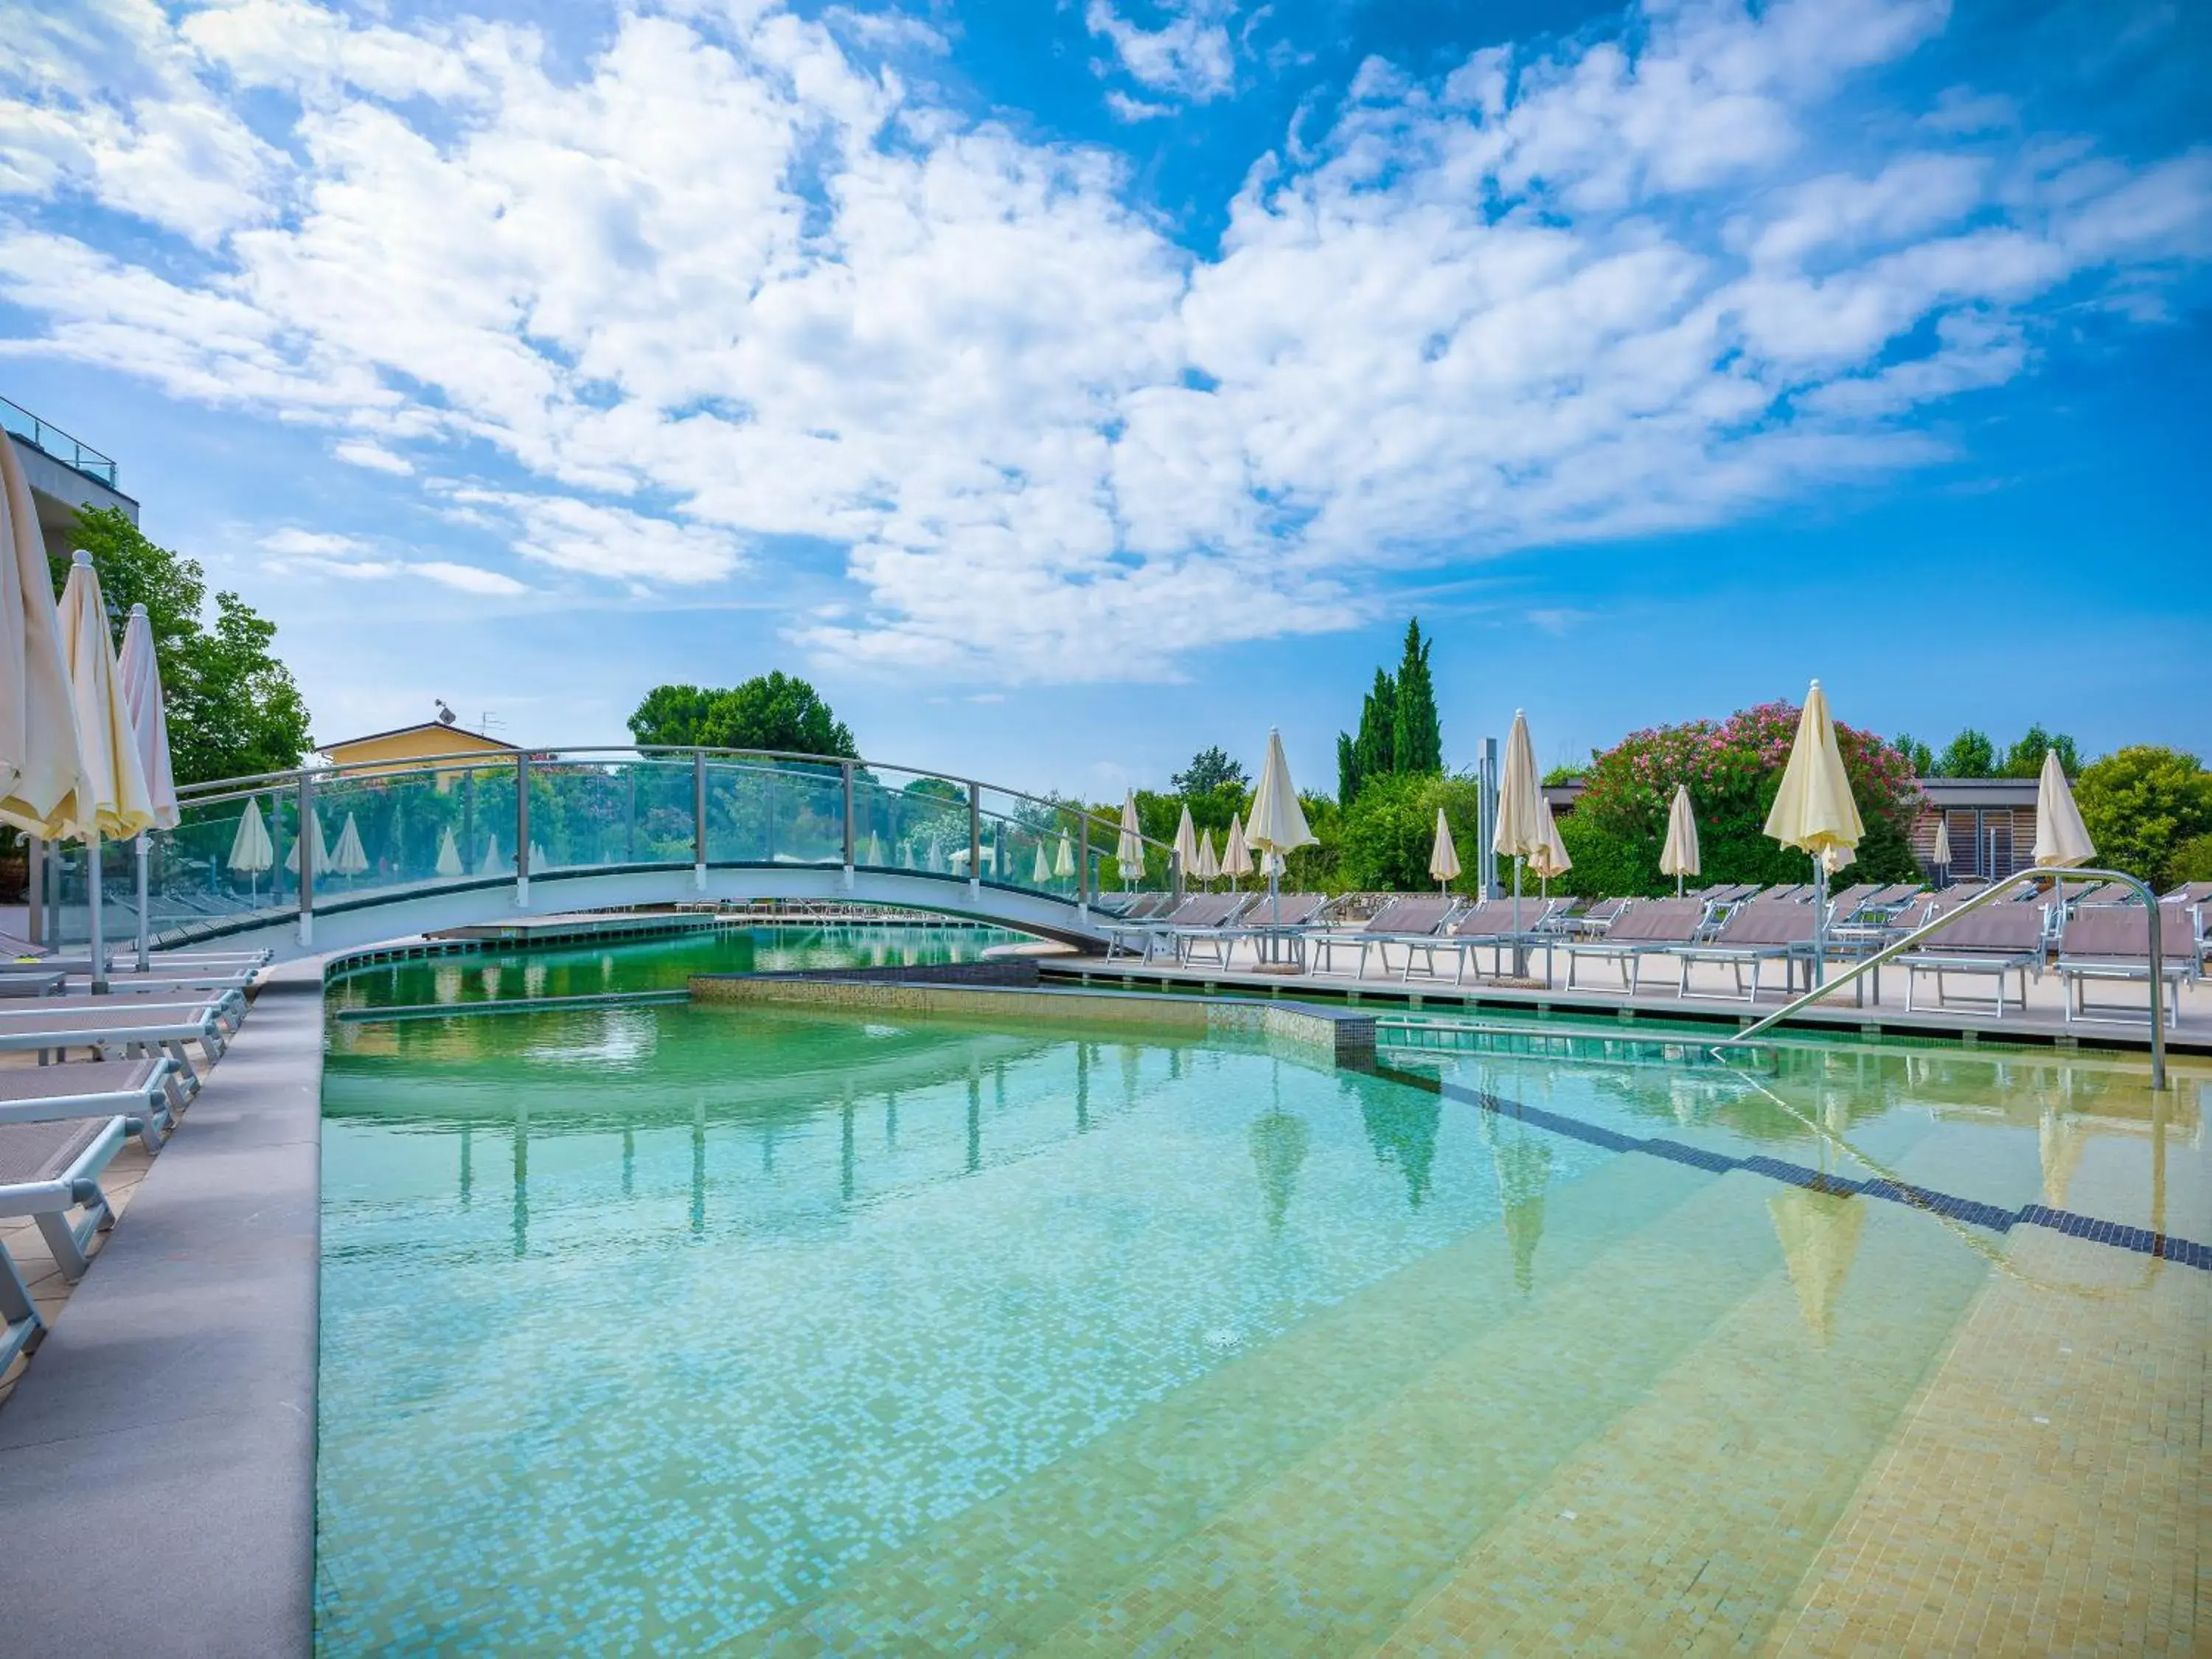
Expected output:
(1237, 856)
(1443, 856)
(1941, 858)
(538, 860)
(41, 762)
(2060, 838)
(149, 725)
(1520, 825)
(1041, 872)
(318, 859)
(349, 857)
(1129, 850)
(1186, 845)
(1279, 823)
(1550, 860)
(449, 853)
(251, 850)
(875, 848)
(1063, 861)
(1679, 857)
(119, 805)
(1813, 811)
(490, 865)
(1209, 862)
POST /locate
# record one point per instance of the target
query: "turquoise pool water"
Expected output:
(682, 1330)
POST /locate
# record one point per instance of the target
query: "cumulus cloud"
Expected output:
(729, 281)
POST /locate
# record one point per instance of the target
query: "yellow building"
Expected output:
(408, 748)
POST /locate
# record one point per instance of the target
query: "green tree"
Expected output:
(2025, 758)
(1969, 754)
(1374, 749)
(776, 711)
(2191, 860)
(1389, 831)
(233, 709)
(2141, 806)
(1416, 736)
(1209, 769)
(1917, 754)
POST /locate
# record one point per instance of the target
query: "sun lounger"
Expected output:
(1488, 925)
(1197, 910)
(1132, 907)
(135, 1027)
(47, 1170)
(1647, 925)
(1752, 936)
(2111, 944)
(2189, 894)
(229, 1004)
(1593, 922)
(20, 984)
(144, 1089)
(1257, 920)
(1995, 941)
(1844, 906)
(1412, 916)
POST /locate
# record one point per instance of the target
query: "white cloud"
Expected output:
(469, 578)
(292, 541)
(1126, 108)
(1190, 54)
(730, 281)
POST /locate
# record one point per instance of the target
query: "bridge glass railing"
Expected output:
(382, 831)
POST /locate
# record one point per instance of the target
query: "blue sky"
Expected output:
(1068, 387)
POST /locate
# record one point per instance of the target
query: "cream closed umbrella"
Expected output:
(2060, 838)
(149, 723)
(349, 857)
(1550, 860)
(449, 855)
(1941, 857)
(1209, 862)
(1520, 831)
(1129, 850)
(319, 859)
(1679, 857)
(490, 865)
(41, 762)
(119, 805)
(1443, 856)
(1237, 855)
(875, 849)
(1279, 823)
(1063, 861)
(1186, 846)
(538, 859)
(251, 852)
(1041, 872)
(1813, 811)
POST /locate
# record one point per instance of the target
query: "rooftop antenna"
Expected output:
(445, 714)
(487, 721)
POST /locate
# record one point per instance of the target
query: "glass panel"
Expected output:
(769, 811)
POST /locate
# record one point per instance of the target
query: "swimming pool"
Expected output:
(664, 1329)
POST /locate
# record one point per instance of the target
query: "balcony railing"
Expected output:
(44, 435)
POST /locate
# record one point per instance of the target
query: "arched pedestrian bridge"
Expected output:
(398, 848)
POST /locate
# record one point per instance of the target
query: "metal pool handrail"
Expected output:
(1935, 925)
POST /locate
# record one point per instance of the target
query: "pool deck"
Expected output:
(2043, 1492)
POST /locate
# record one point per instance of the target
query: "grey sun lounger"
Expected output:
(2111, 943)
(1753, 935)
(16, 983)
(47, 1170)
(145, 1090)
(2190, 893)
(1197, 910)
(1598, 918)
(1489, 925)
(1408, 917)
(1646, 927)
(137, 1027)
(1993, 942)
(229, 1005)
(1299, 910)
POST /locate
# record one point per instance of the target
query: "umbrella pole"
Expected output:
(145, 843)
(1678, 885)
(1520, 961)
(1819, 921)
(93, 899)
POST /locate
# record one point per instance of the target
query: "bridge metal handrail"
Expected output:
(1935, 925)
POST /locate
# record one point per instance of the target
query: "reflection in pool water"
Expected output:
(657, 1328)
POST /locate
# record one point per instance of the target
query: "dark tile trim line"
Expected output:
(2140, 1240)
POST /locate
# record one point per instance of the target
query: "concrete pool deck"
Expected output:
(173, 1407)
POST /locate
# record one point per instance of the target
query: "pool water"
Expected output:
(674, 1330)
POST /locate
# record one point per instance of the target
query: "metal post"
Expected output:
(975, 840)
(34, 888)
(1486, 820)
(698, 821)
(1082, 864)
(522, 831)
(93, 901)
(145, 928)
(847, 768)
(303, 842)
(1174, 873)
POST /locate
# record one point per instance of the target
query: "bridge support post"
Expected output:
(522, 831)
(1083, 869)
(848, 770)
(975, 842)
(698, 822)
(305, 840)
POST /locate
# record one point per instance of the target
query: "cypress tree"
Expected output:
(1417, 738)
(1347, 769)
(1375, 748)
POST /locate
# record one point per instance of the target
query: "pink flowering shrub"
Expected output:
(1733, 768)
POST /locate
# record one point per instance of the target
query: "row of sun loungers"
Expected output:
(63, 1121)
